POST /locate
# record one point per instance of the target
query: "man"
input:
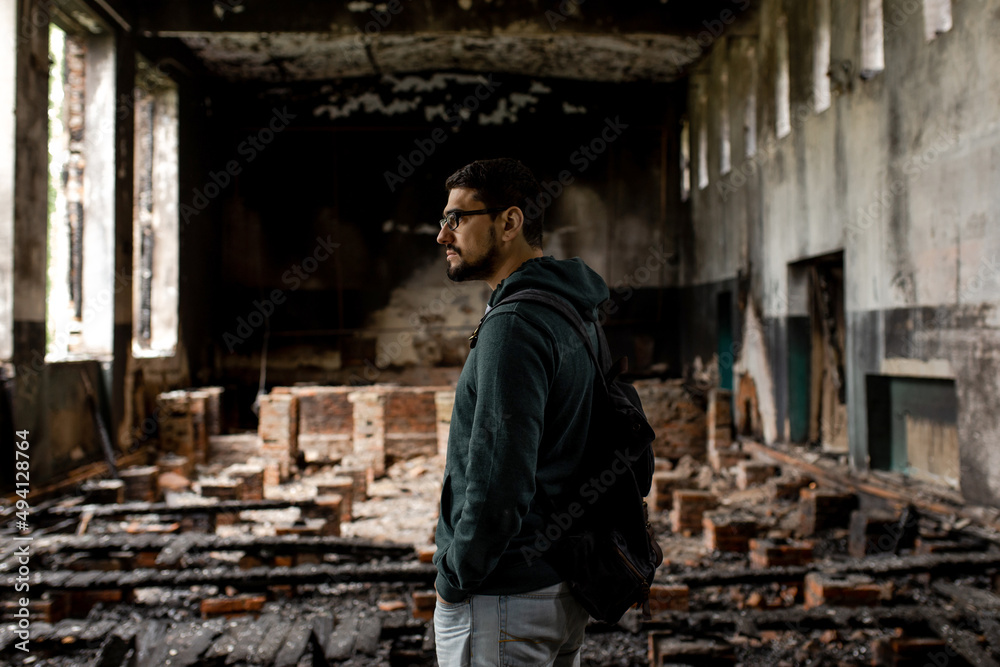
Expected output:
(522, 408)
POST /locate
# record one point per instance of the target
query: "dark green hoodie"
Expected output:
(522, 408)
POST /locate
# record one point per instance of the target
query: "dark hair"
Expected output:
(504, 182)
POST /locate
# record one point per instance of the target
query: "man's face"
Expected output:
(471, 250)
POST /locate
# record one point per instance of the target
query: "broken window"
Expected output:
(702, 140)
(782, 93)
(872, 39)
(155, 218)
(937, 17)
(685, 160)
(750, 109)
(725, 147)
(821, 57)
(80, 290)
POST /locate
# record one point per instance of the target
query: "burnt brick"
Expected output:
(677, 417)
(330, 508)
(279, 431)
(724, 458)
(104, 492)
(916, 651)
(229, 606)
(312, 527)
(251, 478)
(663, 487)
(754, 473)
(141, 483)
(424, 603)
(719, 419)
(822, 509)
(852, 590)
(787, 488)
(369, 427)
(223, 489)
(342, 486)
(878, 531)
(664, 598)
(730, 532)
(361, 471)
(689, 508)
(766, 553)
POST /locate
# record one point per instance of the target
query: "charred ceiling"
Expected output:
(306, 40)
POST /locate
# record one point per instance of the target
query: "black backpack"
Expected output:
(605, 549)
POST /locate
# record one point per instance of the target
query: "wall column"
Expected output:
(124, 152)
(30, 211)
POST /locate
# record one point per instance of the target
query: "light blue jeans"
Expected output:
(542, 627)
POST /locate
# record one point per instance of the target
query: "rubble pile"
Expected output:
(239, 550)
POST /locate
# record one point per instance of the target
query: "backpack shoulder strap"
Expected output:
(566, 309)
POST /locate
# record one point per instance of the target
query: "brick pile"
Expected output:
(251, 479)
(103, 491)
(844, 590)
(689, 507)
(729, 530)
(326, 422)
(876, 531)
(176, 427)
(719, 420)
(172, 463)
(278, 428)
(369, 427)
(664, 598)
(233, 448)
(187, 418)
(665, 482)
(213, 410)
(765, 553)
(754, 473)
(361, 472)
(342, 486)
(221, 488)
(787, 487)
(676, 416)
(411, 423)
(423, 605)
(141, 483)
(822, 509)
(329, 509)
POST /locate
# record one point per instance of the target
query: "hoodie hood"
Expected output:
(569, 278)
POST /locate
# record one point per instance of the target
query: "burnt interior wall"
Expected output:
(899, 174)
(189, 364)
(199, 235)
(50, 400)
(322, 222)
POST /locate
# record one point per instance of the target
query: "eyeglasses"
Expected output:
(454, 217)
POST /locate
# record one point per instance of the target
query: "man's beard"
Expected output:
(481, 269)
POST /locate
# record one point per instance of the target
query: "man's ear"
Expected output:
(513, 219)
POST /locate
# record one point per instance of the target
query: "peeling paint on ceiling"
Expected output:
(368, 102)
(419, 84)
(285, 57)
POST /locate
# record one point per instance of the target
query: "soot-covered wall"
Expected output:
(324, 200)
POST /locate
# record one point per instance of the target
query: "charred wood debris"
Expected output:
(773, 556)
